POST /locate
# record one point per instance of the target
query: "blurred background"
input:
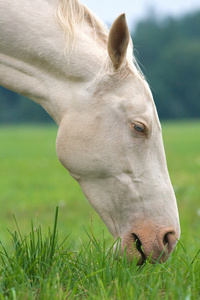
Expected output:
(166, 36)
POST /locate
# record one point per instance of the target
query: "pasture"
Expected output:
(33, 183)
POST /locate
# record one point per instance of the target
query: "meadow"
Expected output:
(37, 264)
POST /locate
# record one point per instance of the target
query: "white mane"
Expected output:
(70, 13)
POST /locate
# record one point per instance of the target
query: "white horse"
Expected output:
(60, 55)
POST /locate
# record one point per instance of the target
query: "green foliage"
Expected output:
(170, 52)
(15, 108)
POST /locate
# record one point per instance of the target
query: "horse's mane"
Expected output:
(70, 13)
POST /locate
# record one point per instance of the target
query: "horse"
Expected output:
(62, 56)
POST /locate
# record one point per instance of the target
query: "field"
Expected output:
(33, 183)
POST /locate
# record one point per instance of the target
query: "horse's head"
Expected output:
(111, 143)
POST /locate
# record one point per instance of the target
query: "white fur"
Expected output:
(122, 173)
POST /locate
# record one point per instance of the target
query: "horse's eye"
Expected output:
(139, 127)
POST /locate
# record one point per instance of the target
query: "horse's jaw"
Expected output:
(140, 224)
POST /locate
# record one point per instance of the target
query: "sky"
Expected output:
(135, 10)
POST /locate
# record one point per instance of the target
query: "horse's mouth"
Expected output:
(139, 247)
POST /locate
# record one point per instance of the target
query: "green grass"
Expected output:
(33, 183)
(37, 264)
(41, 268)
(182, 145)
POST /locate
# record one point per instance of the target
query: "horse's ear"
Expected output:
(118, 40)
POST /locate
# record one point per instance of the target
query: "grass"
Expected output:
(41, 268)
(182, 144)
(43, 264)
(33, 182)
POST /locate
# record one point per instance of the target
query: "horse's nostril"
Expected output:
(169, 241)
(139, 247)
(165, 239)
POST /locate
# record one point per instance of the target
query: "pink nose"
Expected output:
(148, 242)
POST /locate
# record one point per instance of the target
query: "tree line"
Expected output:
(168, 51)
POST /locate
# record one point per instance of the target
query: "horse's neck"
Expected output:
(34, 59)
